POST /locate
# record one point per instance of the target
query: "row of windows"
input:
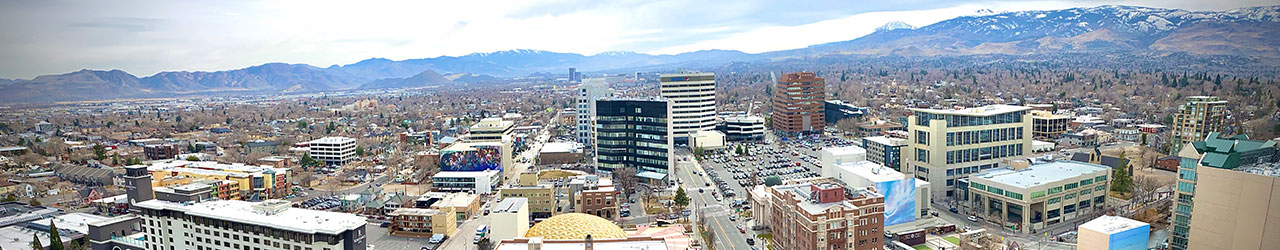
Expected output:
(983, 136)
(923, 119)
(984, 153)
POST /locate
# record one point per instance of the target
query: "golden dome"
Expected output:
(575, 226)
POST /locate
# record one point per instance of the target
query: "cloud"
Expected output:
(145, 37)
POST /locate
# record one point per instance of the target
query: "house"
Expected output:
(1096, 157)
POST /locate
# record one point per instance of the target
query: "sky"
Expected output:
(43, 37)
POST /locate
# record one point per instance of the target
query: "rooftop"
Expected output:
(1039, 174)
(871, 171)
(287, 218)
(78, 222)
(453, 174)
(559, 147)
(845, 150)
(1112, 224)
(510, 205)
(976, 111)
(414, 211)
(333, 139)
(885, 140)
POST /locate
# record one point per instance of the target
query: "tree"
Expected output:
(1120, 180)
(55, 241)
(484, 244)
(193, 158)
(33, 202)
(772, 181)
(9, 198)
(307, 161)
(228, 120)
(738, 150)
(682, 198)
(99, 152)
(35, 241)
(302, 124)
(625, 178)
(1144, 139)
(359, 151)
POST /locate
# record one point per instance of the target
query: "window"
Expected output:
(1037, 194)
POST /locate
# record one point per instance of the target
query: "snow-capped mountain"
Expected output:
(1108, 27)
(894, 26)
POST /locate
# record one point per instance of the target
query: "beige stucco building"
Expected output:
(947, 145)
(1236, 209)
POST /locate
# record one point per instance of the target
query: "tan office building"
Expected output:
(947, 145)
(1236, 208)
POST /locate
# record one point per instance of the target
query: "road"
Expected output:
(725, 231)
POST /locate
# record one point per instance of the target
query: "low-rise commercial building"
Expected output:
(250, 181)
(479, 182)
(905, 198)
(540, 198)
(598, 198)
(743, 128)
(1046, 125)
(1039, 195)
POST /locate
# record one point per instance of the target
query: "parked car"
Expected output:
(973, 218)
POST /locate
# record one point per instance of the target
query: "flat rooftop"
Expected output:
(597, 245)
(845, 150)
(414, 211)
(291, 219)
(558, 147)
(333, 139)
(510, 205)
(78, 222)
(976, 111)
(885, 140)
(871, 171)
(455, 174)
(1112, 224)
(1039, 174)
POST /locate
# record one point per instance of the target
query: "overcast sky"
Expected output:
(39, 37)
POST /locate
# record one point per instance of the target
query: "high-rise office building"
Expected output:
(573, 74)
(693, 97)
(945, 145)
(1223, 194)
(799, 101)
(1197, 118)
(635, 133)
(588, 92)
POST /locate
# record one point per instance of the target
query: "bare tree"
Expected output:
(625, 178)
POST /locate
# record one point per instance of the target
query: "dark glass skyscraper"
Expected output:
(634, 133)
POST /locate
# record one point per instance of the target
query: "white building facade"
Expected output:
(946, 145)
(693, 97)
(233, 224)
(333, 150)
(588, 92)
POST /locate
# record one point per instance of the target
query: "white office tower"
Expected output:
(693, 97)
(588, 92)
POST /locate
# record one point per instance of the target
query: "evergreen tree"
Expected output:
(35, 241)
(55, 241)
(682, 198)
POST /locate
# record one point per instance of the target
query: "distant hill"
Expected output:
(1249, 32)
(1245, 31)
(426, 78)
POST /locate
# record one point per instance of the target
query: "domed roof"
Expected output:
(574, 226)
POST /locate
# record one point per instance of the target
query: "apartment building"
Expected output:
(589, 91)
(635, 133)
(946, 145)
(1197, 118)
(598, 198)
(232, 224)
(820, 214)
(423, 222)
(1040, 195)
(693, 97)
(263, 182)
(799, 101)
(333, 150)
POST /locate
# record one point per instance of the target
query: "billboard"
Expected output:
(475, 158)
(899, 200)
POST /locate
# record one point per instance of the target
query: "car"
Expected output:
(953, 210)
(701, 190)
(385, 224)
(973, 218)
(741, 230)
(733, 217)
(751, 241)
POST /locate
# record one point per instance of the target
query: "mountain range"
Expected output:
(1249, 32)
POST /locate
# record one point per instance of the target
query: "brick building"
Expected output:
(798, 103)
(820, 214)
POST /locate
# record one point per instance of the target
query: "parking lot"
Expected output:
(732, 174)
